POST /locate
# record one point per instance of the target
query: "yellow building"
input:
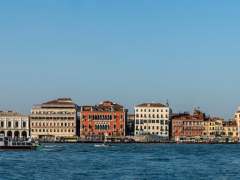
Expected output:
(230, 131)
(213, 127)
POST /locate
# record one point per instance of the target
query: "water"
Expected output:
(123, 161)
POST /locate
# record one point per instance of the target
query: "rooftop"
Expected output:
(12, 113)
(151, 105)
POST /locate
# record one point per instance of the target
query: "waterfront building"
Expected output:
(230, 130)
(213, 127)
(130, 125)
(53, 119)
(152, 118)
(14, 124)
(105, 119)
(186, 126)
(237, 119)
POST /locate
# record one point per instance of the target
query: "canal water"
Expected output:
(123, 161)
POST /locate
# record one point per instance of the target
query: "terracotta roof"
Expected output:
(151, 105)
(107, 102)
(113, 106)
(57, 102)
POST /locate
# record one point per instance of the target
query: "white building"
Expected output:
(152, 118)
(13, 124)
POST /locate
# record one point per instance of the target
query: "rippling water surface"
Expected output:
(123, 161)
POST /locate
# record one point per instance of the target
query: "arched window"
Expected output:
(108, 127)
(105, 117)
(100, 117)
(105, 127)
(95, 117)
(110, 117)
(121, 127)
(96, 127)
(114, 126)
(100, 127)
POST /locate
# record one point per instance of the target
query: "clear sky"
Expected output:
(128, 52)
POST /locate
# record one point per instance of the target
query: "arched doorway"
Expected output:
(24, 134)
(2, 132)
(16, 134)
(9, 133)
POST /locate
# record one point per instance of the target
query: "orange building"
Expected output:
(105, 119)
(185, 126)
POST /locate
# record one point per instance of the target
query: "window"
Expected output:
(145, 121)
(145, 127)
(148, 127)
(137, 121)
(149, 110)
(149, 121)
(153, 121)
(9, 124)
(141, 110)
(157, 121)
(149, 115)
(166, 122)
(166, 110)
(153, 127)
(186, 133)
(144, 110)
(2, 123)
(137, 115)
(136, 110)
(157, 127)
(16, 124)
(136, 127)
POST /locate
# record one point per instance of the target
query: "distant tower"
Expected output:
(167, 103)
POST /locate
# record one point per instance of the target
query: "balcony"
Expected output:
(83, 119)
(121, 119)
(115, 119)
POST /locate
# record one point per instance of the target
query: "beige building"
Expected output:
(152, 118)
(237, 119)
(14, 124)
(53, 119)
(213, 127)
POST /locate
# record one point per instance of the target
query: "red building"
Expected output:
(105, 119)
(185, 126)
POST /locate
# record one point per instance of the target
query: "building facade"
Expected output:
(152, 118)
(213, 127)
(130, 125)
(53, 119)
(14, 125)
(186, 126)
(105, 119)
(237, 119)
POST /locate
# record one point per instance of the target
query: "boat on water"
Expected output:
(102, 145)
(6, 143)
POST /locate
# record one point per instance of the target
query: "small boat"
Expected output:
(102, 145)
(37, 145)
(7, 143)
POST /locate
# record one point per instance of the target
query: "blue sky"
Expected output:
(128, 52)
